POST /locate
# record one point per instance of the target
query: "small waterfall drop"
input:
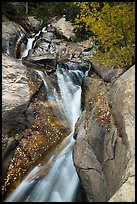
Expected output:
(70, 93)
(60, 182)
(29, 45)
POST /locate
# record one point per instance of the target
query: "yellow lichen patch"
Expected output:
(16, 169)
(37, 142)
(102, 111)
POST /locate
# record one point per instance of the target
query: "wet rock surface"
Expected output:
(43, 136)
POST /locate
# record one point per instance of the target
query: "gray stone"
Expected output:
(10, 33)
(109, 74)
(64, 28)
(123, 108)
(33, 23)
(15, 88)
(105, 132)
(18, 88)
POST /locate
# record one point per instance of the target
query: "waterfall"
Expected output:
(60, 181)
(70, 93)
(29, 45)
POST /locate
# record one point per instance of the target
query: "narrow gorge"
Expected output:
(68, 124)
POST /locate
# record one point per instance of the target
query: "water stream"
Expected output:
(60, 182)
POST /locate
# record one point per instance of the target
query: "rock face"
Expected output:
(108, 74)
(18, 87)
(123, 108)
(33, 24)
(103, 152)
(14, 84)
(15, 94)
(64, 28)
(11, 32)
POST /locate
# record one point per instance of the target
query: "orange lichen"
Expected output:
(38, 141)
(102, 111)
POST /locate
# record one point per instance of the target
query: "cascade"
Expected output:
(30, 44)
(28, 47)
(60, 181)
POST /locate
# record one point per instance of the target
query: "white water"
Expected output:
(60, 184)
(70, 94)
(28, 47)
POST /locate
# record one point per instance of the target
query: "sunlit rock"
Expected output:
(18, 88)
(11, 32)
(123, 108)
(33, 23)
(64, 28)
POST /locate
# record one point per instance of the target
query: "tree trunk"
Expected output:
(26, 5)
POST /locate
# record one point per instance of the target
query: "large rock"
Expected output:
(123, 109)
(10, 28)
(15, 88)
(102, 152)
(15, 97)
(64, 28)
(33, 23)
(109, 74)
(18, 88)
(11, 32)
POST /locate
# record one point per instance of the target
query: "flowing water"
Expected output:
(28, 47)
(60, 182)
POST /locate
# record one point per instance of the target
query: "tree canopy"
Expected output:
(113, 24)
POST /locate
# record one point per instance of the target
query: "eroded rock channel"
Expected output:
(39, 71)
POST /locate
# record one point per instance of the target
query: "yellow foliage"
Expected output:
(114, 28)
